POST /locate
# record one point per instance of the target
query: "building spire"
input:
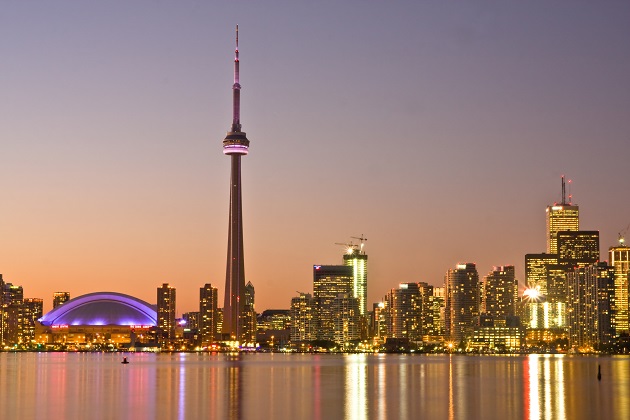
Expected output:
(236, 91)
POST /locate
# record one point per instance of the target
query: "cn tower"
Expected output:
(235, 145)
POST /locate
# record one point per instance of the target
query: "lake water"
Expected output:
(304, 386)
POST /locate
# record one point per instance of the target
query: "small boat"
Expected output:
(125, 361)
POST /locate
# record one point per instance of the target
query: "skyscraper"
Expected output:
(357, 259)
(32, 310)
(303, 318)
(329, 281)
(619, 258)
(235, 145)
(411, 314)
(462, 301)
(561, 217)
(499, 293)
(166, 314)
(578, 247)
(208, 300)
(589, 310)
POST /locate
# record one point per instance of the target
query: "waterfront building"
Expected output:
(11, 300)
(303, 318)
(329, 281)
(498, 335)
(249, 317)
(59, 298)
(32, 310)
(591, 293)
(619, 259)
(380, 321)
(208, 301)
(410, 312)
(346, 325)
(236, 324)
(462, 301)
(166, 299)
(499, 292)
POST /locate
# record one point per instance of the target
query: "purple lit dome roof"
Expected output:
(102, 308)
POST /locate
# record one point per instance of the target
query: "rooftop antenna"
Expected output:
(564, 201)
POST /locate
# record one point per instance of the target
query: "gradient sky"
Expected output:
(439, 130)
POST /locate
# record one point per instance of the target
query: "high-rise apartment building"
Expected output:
(249, 317)
(11, 311)
(166, 314)
(60, 298)
(619, 259)
(303, 318)
(346, 327)
(561, 217)
(410, 311)
(499, 293)
(32, 310)
(208, 301)
(330, 281)
(589, 309)
(462, 301)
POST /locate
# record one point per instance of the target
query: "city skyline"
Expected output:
(462, 121)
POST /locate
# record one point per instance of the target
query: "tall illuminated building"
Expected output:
(208, 300)
(60, 298)
(346, 325)
(410, 311)
(590, 305)
(536, 270)
(461, 286)
(329, 281)
(619, 259)
(578, 247)
(249, 316)
(303, 318)
(32, 310)
(357, 259)
(235, 145)
(561, 217)
(499, 292)
(166, 299)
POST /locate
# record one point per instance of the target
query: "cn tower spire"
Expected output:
(236, 91)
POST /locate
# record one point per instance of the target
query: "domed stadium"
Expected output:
(102, 318)
(102, 308)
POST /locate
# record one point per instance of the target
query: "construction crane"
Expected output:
(350, 247)
(622, 235)
(361, 239)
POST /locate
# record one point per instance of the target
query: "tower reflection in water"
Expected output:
(356, 383)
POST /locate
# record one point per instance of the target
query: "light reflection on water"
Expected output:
(357, 386)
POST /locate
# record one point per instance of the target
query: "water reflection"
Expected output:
(356, 399)
(61, 385)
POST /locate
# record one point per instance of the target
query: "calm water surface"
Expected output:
(300, 386)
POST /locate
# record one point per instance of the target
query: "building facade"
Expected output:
(330, 281)
(208, 306)
(166, 300)
(461, 286)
